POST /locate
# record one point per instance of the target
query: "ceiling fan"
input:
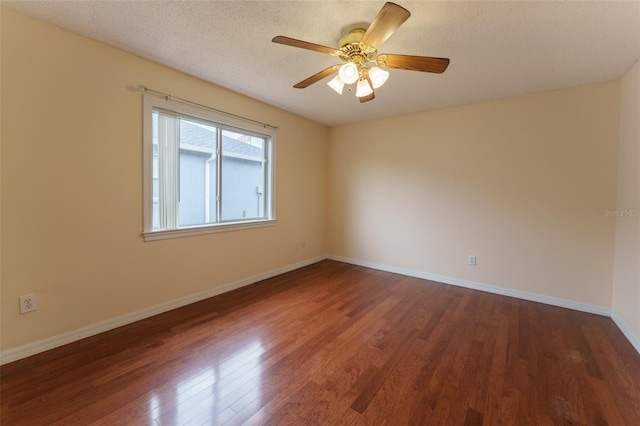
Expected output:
(359, 50)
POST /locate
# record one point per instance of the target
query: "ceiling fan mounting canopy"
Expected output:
(359, 47)
(353, 36)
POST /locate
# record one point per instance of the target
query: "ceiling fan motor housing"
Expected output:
(352, 50)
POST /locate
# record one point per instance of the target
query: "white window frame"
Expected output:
(149, 234)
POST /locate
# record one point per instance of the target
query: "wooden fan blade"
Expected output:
(367, 98)
(317, 77)
(413, 63)
(389, 19)
(304, 45)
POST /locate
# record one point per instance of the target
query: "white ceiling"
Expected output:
(497, 49)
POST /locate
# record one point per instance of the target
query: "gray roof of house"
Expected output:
(196, 135)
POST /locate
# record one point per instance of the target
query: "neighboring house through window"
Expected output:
(204, 172)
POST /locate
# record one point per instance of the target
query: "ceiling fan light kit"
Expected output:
(336, 84)
(349, 73)
(363, 88)
(359, 48)
(378, 77)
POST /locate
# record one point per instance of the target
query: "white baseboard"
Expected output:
(626, 330)
(24, 351)
(533, 297)
(39, 346)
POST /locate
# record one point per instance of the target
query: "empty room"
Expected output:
(319, 212)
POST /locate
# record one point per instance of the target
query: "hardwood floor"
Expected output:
(337, 344)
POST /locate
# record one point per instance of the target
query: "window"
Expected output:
(204, 172)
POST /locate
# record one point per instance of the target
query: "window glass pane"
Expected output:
(243, 176)
(203, 174)
(198, 173)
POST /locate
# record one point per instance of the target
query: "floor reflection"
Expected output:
(154, 407)
(229, 386)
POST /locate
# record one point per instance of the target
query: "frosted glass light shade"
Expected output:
(336, 84)
(363, 88)
(348, 73)
(378, 76)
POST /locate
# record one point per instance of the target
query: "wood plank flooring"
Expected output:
(336, 344)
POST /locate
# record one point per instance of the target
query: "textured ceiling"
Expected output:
(497, 49)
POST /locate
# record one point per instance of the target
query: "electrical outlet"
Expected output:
(28, 303)
(297, 246)
(303, 243)
(472, 260)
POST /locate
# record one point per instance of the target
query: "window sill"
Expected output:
(202, 230)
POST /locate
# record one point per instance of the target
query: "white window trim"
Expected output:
(149, 103)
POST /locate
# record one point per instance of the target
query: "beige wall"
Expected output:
(521, 183)
(72, 187)
(626, 282)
